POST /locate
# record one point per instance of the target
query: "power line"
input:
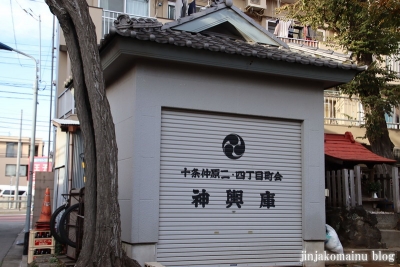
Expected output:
(24, 119)
(26, 59)
(25, 66)
(18, 93)
(24, 129)
(15, 39)
(22, 85)
(4, 112)
(14, 85)
(31, 51)
(23, 98)
(22, 44)
(1, 122)
(15, 78)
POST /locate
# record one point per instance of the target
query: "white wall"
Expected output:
(136, 101)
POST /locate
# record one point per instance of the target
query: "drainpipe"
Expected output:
(70, 158)
(66, 176)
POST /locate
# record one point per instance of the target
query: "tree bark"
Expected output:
(102, 244)
(378, 137)
(376, 127)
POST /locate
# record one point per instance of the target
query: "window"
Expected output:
(10, 170)
(171, 10)
(132, 7)
(36, 150)
(11, 150)
(7, 192)
(320, 35)
(113, 5)
(271, 24)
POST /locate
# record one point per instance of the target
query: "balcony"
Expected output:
(393, 63)
(299, 41)
(339, 109)
(66, 104)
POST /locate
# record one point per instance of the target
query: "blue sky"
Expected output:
(20, 30)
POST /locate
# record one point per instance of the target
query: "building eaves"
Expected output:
(65, 122)
(324, 53)
(150, 30)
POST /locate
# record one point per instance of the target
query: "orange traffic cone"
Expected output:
(44, 220)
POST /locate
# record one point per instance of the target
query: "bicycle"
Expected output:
(56, 218)
(71, 224)
(70, 219)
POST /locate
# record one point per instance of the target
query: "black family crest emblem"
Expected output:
(233, 146)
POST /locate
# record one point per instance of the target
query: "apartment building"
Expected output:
(8, 159)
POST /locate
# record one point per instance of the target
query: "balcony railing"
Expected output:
(109, 17)
(299, 41)
(13, 155)
(66, 104)
(393, 64)
(341, 110)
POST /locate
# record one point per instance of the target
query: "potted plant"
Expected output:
(373, 188)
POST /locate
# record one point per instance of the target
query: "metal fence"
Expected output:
(9, 203)
(310, 43)
(66, 104)
(393, 63)
(341, 110)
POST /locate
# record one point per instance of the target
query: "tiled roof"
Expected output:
(320, 52)
(149, 30)
(344, 147)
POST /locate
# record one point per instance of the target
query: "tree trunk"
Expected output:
(102, 244)
(378, 137)
(376, 127)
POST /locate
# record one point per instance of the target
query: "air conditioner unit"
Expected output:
(256, 4)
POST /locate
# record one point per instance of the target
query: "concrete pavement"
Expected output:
(12, 222)
(14, 257)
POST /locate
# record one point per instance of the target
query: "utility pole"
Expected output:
(33, 139)
(51, 97)
(18, 165)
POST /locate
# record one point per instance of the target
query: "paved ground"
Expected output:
(11, 225)
(11, 233)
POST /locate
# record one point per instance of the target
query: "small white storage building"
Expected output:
(220, 138)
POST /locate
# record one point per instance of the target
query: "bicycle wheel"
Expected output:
(55, 223)
(70, 221)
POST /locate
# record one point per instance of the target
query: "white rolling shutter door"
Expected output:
(256, 234)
